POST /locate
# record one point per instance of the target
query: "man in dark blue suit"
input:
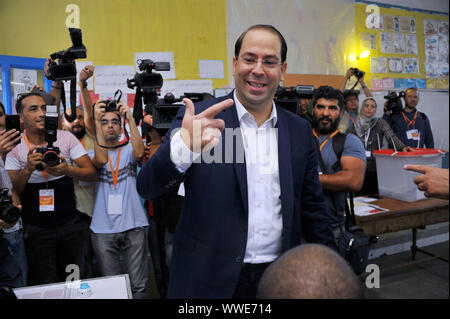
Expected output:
(250, 176)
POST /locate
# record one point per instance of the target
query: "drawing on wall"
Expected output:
(443, 27)
(443, 69)
(430, 27)
(411, 44)
(443, 48)
(404, 24)
(388, 22)
(395, 65)
(431, 48)
(412, 25)
(386, 42)
(432, 69)
(378, 65)
(396, 24)
(411, 65)
(24, 80)
(367, 41)
(399, 43)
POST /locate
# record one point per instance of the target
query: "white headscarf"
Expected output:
(363, 123)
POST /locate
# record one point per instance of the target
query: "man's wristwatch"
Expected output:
(82, 84)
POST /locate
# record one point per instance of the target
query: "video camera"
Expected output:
(394, 102)
(289, 97)
(147, 81)
(50, 152)
(65, 69)
(165, 110)
(8, 212)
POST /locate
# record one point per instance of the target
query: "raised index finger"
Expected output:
(417, 168)
(212, 111)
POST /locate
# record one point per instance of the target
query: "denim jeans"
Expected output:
(16, 247)
(133, 244)
(50, 250)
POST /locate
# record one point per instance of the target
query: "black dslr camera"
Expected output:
(50, 152)
(112, 104)
(8, 212)
(65, 69)
(358, 73)
(394, 102)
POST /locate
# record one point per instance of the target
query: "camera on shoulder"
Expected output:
(394, 102)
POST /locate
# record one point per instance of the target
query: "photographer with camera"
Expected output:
(351, 98)
(411, 126)
(119, 218)
(43, 177)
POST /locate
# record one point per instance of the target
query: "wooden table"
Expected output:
(405, 215)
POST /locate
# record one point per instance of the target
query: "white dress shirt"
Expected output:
(265, 224)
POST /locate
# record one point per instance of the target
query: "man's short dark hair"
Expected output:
(348, 93)
(266, 27)
(328, 93)
(21, 97)
(310, 271)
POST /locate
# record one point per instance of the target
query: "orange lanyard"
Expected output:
(115, 174)
(351, 118)
(82, 142)
(408, 122)
(44, 173)
(328, 138)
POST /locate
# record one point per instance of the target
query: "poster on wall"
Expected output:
(431, 48)
(431, 69)
(24, 80)
(399, 43)
(388, 23)
(430, 27)
(411, 65)
(109, 78)
(367, 41)
(386, 42)
(411, 44)
(443, 27)
(443, 69)
(443, 48)
(395, 65)
(412, 25)
(378, 65)
(404, 24)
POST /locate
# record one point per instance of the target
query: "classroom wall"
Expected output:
(113, 30)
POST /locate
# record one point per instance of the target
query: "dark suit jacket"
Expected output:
(211, 234)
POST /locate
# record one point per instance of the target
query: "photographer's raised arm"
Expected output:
(55, 91)
(85, 74)
(19, 178)
(100, 154)
(348, 75)
(364, 86)
(136, 139)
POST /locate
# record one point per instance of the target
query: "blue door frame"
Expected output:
(6, 63)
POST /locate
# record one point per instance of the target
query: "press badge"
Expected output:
(413, 135)
(114, 204)
(368, 153)
(46, 200)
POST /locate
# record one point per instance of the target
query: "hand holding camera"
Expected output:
(59, 169)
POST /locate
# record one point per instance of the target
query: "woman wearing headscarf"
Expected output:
(371, 130)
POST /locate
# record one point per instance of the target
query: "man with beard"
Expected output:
(336, 176)
(411, 126)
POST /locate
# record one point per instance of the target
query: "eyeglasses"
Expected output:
(269, 63)
(113, 122)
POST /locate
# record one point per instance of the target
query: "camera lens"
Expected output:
(51, 158)
(10, 214)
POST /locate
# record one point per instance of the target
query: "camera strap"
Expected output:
(137, 108)
(73, 101)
